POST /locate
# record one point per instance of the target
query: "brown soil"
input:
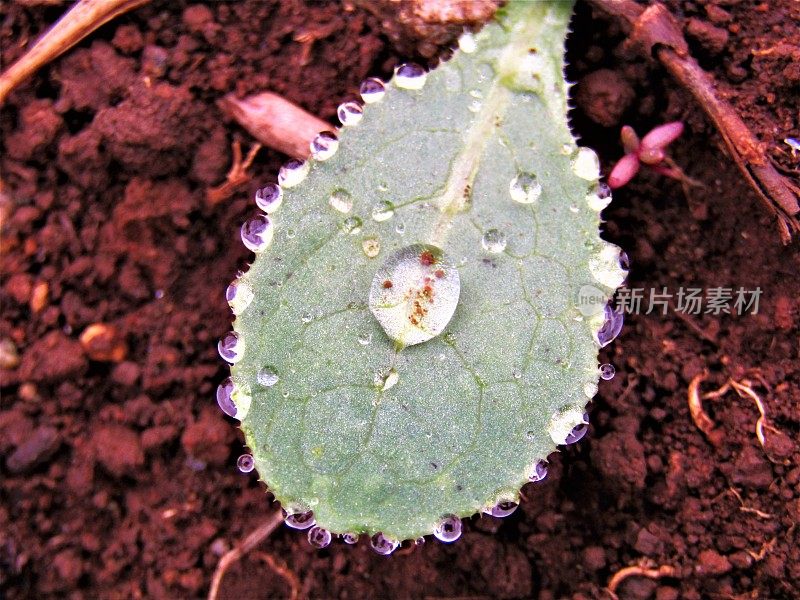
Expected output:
(118, 478)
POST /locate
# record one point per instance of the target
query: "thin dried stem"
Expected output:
(76, 24)
(637, 571)
(699, 416)
(234, 555)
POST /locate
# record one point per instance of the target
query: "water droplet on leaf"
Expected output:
(257, 233)
(612, 325)
(269, 198)
(293, 173)
(386, 379)
(246, 463)
(318, 537)
(410, 76)
(467, 43)
(350, 113)
(372, 90)
(371, 247)
(300, 520)
(565, 426)
(324, 145)
(382, 544)
(502, 509)
(586, 165)
(539, 471)
(239, 296)
(599, 197)
(525, 188)
(383, 211)
(420, 297)
(352, 225)
(448, 529)
(607, 371)
(341, 200)
(350, 538)
(267, 376)
(493, 241)
(231, 347)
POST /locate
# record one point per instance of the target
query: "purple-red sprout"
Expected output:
(650, 151)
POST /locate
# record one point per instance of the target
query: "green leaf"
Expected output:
(378, 423)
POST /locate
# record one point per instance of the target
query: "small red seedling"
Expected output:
(649, 151)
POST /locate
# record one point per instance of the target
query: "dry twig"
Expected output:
(261, 533)
(82, 19)
(699, 416)
(237, 175)
(282, 569)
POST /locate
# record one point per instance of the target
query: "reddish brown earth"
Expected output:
(118, 478)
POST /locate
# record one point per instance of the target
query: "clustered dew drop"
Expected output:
(383, 211)
(502, 509)
(350, 538)
(293, 173)
(239, 296)
(539, 471)
(525, 188)
(365, 338)
(607, 371)
(493, 241)
(586, 165)
(350, 113)
(300, 520)
(475, 106)
(371, 247)
(246, 463)
(386, 379)
(448, 529)
(234, 400)
(231, 347)
(318, 537)
(324, 145)
(414, 293)
(267, 376)
(599, 196)
(372, 90)
(568, 426)
(579, 431)
(269, 198)
(382, 544)
(400, 227)
(341, 200)
(410, 76)
(467, 43)
(257, 233)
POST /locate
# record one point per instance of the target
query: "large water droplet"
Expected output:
(371, 247)
(607, 371)
(493, 241)
(350, 113)
(448, 529)
(539, 471)
(257, 233)
(467, 43)
(502, 509)
(239, 296)
(352, 225)
(267, 376)
(324, 145)
(415, 293)
(341, 200)
(318, 537)
(525, 188)
(231, 347)
(612, 325)
(372, 90)
(293, 173)
(410, 76)
(382, 544)
(586, 165)
(246, 463)
(383, 211)
(300, 520)
(269, 198)
(599, 197)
